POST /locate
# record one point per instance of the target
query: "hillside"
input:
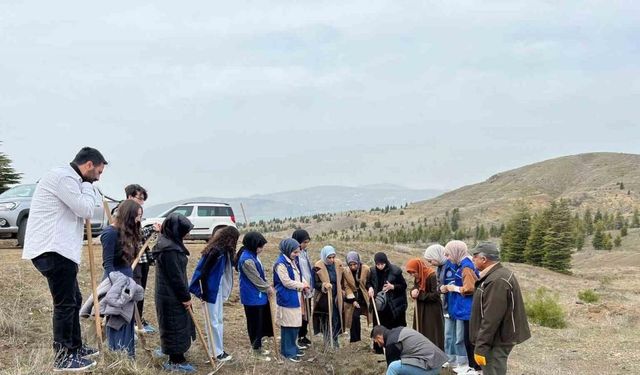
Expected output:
(319, 199)
(586, 180)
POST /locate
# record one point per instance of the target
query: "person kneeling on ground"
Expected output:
(408, 352)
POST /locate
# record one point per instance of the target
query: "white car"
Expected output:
(207, 218)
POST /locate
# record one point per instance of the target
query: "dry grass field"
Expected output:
(601, 338)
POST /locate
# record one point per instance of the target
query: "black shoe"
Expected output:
(73, 363)
(223, 357)
(87, 351)
(304, 341)
(302, 345)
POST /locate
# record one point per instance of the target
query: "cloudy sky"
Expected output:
(257, 97)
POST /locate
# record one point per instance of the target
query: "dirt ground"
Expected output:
(601, 338)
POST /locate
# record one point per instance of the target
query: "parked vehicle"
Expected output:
(207, 218)
(14, 212)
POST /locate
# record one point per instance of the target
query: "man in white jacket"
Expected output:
(63, 199)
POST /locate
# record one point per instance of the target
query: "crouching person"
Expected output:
(408, 352)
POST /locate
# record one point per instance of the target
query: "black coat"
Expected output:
(396, 298)
(172, 286)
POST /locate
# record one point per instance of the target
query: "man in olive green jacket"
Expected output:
(498, 318)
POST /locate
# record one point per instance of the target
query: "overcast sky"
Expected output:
(193, 99)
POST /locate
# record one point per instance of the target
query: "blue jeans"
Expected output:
(397, 368)
(288, 336)
(454, 341)
(122, 339)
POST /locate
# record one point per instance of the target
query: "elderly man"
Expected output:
(63, 199)
(498, 319)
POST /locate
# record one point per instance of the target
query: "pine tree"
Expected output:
(607, 243)
(635, 220)
(588, 221)
(455, 218)
(8, 175)
(534, 252)
(597, 217)
(558, 242)
(617, 241)
(624, 230)
(598, 237)
(515, 236)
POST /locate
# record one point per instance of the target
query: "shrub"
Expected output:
(588, 296)
(544, 309)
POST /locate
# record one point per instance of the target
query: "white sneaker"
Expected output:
(462, 369)
(465, 370)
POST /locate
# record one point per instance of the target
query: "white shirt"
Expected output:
(59, 206)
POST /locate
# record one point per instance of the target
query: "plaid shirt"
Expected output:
(147, 232)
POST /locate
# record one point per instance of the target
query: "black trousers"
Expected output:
(61, 274)
(259, 324)
(469, 347)
(355, 331)
(140, 275)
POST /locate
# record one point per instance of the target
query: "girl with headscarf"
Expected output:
(388, 289)
(289, 286)
(303, 261)
(119, 243)
(172, 292)
(356, 301)
(460, 299)
(328, 278)
(254, 292)
(434, 255)
(428, 313)
(214, 274)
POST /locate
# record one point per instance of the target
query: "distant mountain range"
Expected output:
(313, 200)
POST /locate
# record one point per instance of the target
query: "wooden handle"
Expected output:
(201, 337)
(273, 323)
(94, 287)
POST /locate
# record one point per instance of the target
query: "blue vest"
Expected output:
(213, 281)
(285, 297)
(249, 294)
(459, 305)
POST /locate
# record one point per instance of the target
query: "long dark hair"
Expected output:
(128, 229)
(226, 239)
(250, 242)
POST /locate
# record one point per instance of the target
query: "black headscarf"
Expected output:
(253, 240)
(381, 258)
(174, 228)
(300, 235)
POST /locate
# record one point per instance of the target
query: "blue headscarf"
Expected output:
(325, 252)
(289, 245)
(353, 257)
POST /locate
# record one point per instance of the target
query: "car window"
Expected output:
(182, 210)
(214, 211)
(20, 191)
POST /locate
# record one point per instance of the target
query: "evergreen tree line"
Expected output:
(547, 239)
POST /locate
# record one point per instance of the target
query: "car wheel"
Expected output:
(22, 229)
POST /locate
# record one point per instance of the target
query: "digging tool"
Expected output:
(142, 249)
(375, 309)
(203, 342)
(273, 323)
(309, 318)
(94, 287)
(330, 297)
(415, 313)
(207, 323)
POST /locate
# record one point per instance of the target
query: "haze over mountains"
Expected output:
(319, 199)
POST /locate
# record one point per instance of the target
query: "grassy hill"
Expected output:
(586, 180)
(591, 180)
